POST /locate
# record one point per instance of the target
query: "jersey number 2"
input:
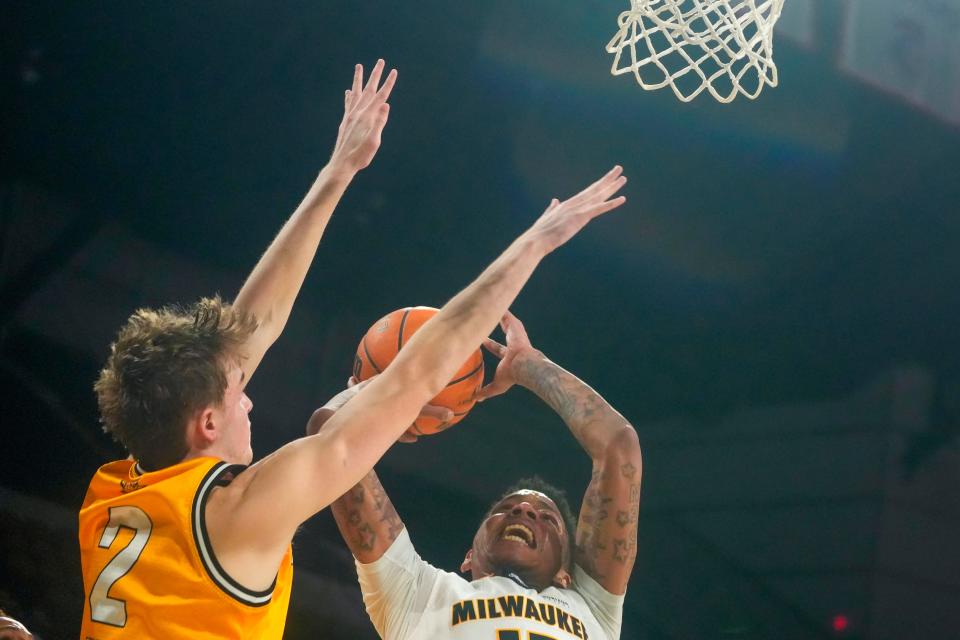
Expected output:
(511, 634)
(103, 608)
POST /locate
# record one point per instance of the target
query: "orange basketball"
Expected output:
(387, 336)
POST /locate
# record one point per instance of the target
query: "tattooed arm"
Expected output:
(606, 542)
(366, 517)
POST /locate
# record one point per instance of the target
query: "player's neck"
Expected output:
(522, 578)
(212, 451)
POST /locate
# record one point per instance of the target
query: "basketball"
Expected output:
(384, 340)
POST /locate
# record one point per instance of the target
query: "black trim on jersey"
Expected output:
(201, 538)
(518, 580)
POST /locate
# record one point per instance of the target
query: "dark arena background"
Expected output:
(774, 309)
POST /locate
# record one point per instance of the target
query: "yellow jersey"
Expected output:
(149, 570)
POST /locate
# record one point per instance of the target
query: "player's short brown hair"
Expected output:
(165, 365)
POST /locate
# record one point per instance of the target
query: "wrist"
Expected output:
(337, 172)
(532, 242)
(526, 364)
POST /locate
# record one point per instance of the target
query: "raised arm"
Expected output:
(270, 290)
(303, 477)
(606, 541)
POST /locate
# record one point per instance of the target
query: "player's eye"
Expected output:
(549, 517)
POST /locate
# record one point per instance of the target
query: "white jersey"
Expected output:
(409, 599)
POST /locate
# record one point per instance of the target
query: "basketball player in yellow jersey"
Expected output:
(528, 581)
(184, 540)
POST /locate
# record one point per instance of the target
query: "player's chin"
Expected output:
(512, 554)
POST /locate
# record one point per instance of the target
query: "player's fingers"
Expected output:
(373, 81)
(612, 174)
(495, 388)
(357, 86)
(442, 414)
(604, 180)
(346, 100)
(510, 319)
(382, 114)
(384, 92)
(515, 331)
(612, 187)
(603, 207)
(407, 438)
(495, 347)
(605, 192)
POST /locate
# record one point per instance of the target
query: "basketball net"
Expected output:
(722, 46)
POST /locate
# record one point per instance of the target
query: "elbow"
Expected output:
(272, 328)
(624, 447)
(270, 324)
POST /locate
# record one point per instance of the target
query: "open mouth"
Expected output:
(520, 533)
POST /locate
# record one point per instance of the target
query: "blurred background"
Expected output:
(774, 308)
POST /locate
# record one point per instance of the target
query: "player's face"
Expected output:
(524, 533)
(233, 418)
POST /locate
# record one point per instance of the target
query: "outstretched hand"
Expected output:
(365, 115)
(518, 344)
(562, 220)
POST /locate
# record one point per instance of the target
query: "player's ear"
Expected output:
(563, 579)
(467, 562)
(202, 429)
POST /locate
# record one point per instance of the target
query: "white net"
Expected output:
(722, 46)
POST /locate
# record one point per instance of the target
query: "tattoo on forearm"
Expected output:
(591, 541)
(582, 408)
(388, 514)
(366, 515)
(365, 536)
(624, 550)
(544, 380)
(627, 518)
(599, 540)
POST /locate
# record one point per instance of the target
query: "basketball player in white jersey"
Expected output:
(528, 581)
